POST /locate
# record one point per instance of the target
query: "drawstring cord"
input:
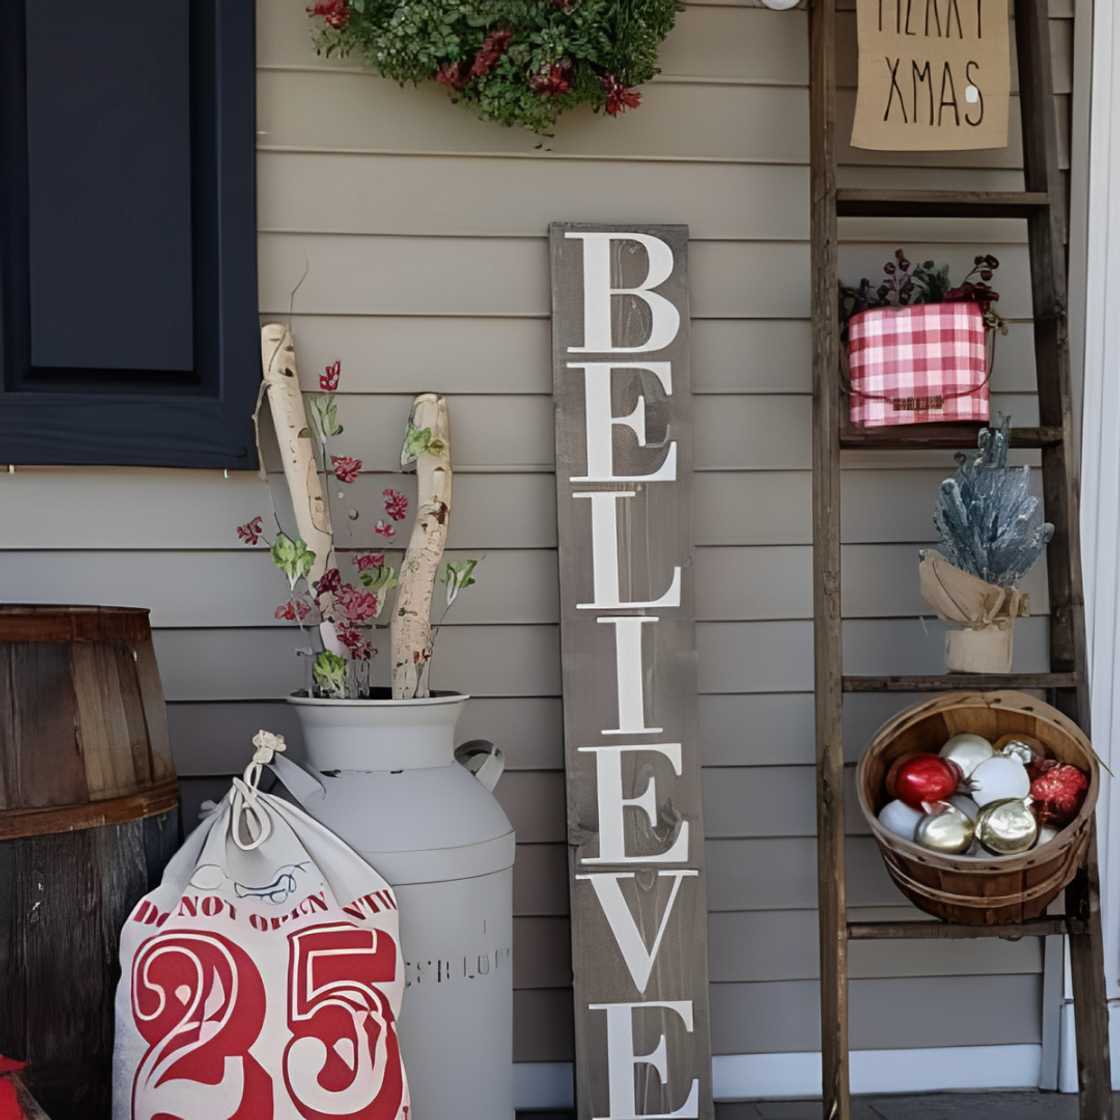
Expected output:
(247, 811)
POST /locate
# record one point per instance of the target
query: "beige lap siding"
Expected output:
(425, 234)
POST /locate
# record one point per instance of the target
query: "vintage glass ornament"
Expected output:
(944, 829)
(900, 818)
(1007, 827)
(966, 805)
(923, 777)
(967, 751)
(1045, 835)
(998, 779)
(1027, 750)
(1058, 793)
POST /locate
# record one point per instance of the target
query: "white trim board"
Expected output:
(774, 1076)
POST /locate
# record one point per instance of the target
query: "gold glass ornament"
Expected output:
(1007, 827)
(944, 829)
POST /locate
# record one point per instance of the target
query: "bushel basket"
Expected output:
(918, 365)
(978, 891)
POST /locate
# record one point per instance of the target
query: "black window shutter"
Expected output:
(128, 261)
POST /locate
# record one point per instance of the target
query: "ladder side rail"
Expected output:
(1047, 230)
(828, 670)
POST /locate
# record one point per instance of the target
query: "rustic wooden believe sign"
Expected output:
(635, 830)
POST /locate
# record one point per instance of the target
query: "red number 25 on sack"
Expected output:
(199, 1002)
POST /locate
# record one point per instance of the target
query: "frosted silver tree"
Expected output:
(989, 522)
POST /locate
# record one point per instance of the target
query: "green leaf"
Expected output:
(323, 414)
(458, 576)
(292, 557)
(329, 671)
(380, 579)
(416, 442)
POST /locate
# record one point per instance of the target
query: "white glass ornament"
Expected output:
(998, 779)
(899, 818)
(1045, 835)
(781, 5)
(966, 805)
(967, 751)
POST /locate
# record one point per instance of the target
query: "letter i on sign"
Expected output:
(622, 389)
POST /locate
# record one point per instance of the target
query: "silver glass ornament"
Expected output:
(944, 829)
(967, 751)
(1007, 827)
(1023, 751)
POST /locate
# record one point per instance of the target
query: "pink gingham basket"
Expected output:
(918, 365)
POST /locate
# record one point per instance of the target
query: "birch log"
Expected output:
(411, 625)
(285, 402)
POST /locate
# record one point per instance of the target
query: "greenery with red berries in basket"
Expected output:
(516, 62)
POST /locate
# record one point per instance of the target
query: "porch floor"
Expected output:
(928, 1106)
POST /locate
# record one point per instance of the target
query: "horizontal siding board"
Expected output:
(360, 112)
(189, 510)
(761, 873)
(784, 1016)
(243, 588)
(883, 1014)
(769, 945)
(417, 275)
(504, 660)
(211, 738)
(754, 729)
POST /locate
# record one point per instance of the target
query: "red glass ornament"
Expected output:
(1058, 793)
(923, 777)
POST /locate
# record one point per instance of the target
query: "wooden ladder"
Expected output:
(1041, 205)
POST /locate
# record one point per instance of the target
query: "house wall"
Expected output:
(423, 236)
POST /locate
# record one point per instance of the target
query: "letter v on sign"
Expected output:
(638, 957)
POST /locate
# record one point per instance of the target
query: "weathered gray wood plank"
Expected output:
(656, 856)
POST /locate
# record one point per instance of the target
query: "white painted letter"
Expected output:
(604, 555)
(628, 675)
(665, 319)
(600, 422)
(621, 1061)
(612, 805)
(639, 960)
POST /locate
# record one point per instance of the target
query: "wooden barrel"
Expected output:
(88, 819)
(979, 891)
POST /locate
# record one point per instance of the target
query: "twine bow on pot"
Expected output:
(986, 611)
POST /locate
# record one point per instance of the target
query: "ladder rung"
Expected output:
(939, 204)
(908, 931)
(952, 682)
(935, 436)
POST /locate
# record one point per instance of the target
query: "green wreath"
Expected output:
(517, 62)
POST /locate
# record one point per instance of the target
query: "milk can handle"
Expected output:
(483, 759)
(302, 782)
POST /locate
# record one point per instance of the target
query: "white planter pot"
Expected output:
(384, 776)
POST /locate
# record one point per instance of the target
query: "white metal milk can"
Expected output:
(386, 777)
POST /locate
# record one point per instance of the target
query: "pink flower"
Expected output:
(329, 581)
(357, 605)
(450, 75)
(619, 98)
(369, 560)
(492, 49)
(328, 379)
(360, 649)
(384, 529)
(294, 610)
(251, 531)
(346, 467)
(552, 80)
(396, 504)
(335, 13)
